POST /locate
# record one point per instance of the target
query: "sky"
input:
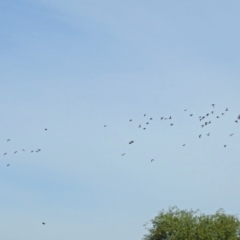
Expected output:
(73, 67)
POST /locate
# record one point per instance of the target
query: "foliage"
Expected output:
(178, 224)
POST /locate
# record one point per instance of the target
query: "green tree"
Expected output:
(176, 224)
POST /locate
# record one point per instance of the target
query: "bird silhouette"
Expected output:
(208, 134)
(43, 223)
(8, 140)
(45, 129)
(15, 152)
(130, 120)
(200, 135)
(123, 154)
(139, 126)
(184, 145)
(4, 153)
(213, 105)
(231, 134)
(191, 115)
(152, 160)
(8, 165)
(150, 118)
(225, 145)
(171, 124)
(212, 112)
(162, 118)
(105, 125)
(131, 142)
(23, 150)
(226, 109)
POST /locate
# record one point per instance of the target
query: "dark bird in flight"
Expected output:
(8, 165)
(217, 116)
(130, 120)
(206, 123)
(144, 128)
(226, 109)
(239, 116)
(207, 114)
(32, 151)
(185, 110)
(15, 152)
(203, 125)
(139, 126)
(150, 118)
(212, 112)
(152, 160)
(170, 117)
(231, 134)
(161, 118)
(191, 115)
(45, 129)
(8, 140)
(200, 135)
(23, 150)
(123, 154)
(184, 145)
(4, 153)
(236, 121)
(105, 125)
(147, 123)
(222, 113)
(131, 142)
(171, 124)
(208, 134)
(43, 223)
(225, 145)
(209, 122)
(144, 115)
(213, 105)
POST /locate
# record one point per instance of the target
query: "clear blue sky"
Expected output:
(74, 66)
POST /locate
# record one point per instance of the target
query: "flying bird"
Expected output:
(130, 120)
(208, 134)
(45, 129)
(184, 145)
(4, 153)
(226, 109)
(152, 160)
(23, 150)
(123, 154)
(105, 125)
(171, 124)
(8, 140)
(225, 145)
(200, 135)
(131, 142)
(8, 165)
(150, 118)
(191, 115)
(15, 152)
(231, 134)
(139, 126)
(43, 223)
(213, 105)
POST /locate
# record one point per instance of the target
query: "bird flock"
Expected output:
(204, 120)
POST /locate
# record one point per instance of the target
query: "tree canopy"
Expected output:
(176, 224)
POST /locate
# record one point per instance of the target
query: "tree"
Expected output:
(178, 224)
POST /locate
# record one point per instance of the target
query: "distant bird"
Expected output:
(207, 114)
(15, 152)
(8, 140)
(231, 134)
(208, 134)
(212, 112)
(139, 126)
(213, 105)
(8, 165)
(238, 117)
(152, 160)
(191, 115)
(217, 116)
(162, 118)
(105, 125)
(226, 109)
(43, 223)
(45, 129)
(4, 153)
(170, 117)
(144, 115)
(123, 154)
(171, 124)
(222, 113)
(147, 123)
(130, 120)
(200, 135)
(225, 145)
(150, 118)
(185, 110)
(209, 122)
(206, 123)
(203, 125)
(32, 151)
(131, 142)
(184, 145)
(236, 121)
(23, 150)
(144, 128)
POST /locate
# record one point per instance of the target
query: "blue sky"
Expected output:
(74, 66)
